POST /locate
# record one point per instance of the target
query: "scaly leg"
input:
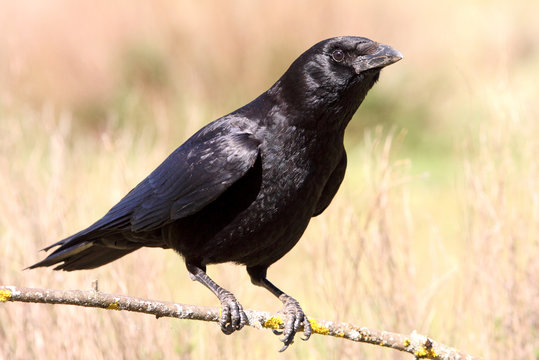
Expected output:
(232, 316)
(295, 316)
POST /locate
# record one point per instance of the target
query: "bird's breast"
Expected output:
(296, 165)
(294, 168)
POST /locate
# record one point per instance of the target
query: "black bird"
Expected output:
(244, 188)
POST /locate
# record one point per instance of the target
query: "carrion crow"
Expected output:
(244, 188)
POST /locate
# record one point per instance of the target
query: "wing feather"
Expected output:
(194, 175)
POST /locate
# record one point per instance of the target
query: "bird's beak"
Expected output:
(385, 55)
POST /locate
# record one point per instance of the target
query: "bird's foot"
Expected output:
(295, 317)
(232, 315)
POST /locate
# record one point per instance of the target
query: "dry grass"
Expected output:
(93, 97)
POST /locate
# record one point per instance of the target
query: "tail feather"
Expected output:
(62, 253)
(93, 257)
(83, 253)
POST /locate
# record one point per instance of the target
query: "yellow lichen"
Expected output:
(317, 328)
(382, 343)
(340, 334)
(273, 322)
(5, 295)
(423, 352)
(113, 306)
(406, 342)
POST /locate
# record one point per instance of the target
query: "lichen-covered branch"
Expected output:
(418, 345)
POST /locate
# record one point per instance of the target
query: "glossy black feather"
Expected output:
(244, 187)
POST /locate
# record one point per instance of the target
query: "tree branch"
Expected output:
(415, 344)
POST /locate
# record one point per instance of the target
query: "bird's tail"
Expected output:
(83, 252)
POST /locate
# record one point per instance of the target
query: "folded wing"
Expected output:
(193, 176)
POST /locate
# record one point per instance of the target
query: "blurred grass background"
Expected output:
(436, 225)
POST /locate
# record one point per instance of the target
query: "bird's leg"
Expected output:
(295, 316)
(232, 316)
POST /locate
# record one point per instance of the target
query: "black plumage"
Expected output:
(244, 188)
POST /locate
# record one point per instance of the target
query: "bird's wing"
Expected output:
(331, 187)
(193, 176)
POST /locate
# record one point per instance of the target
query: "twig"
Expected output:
(415, 344)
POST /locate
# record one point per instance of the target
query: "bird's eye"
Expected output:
(338, 55)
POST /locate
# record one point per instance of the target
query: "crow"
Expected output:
(244, 187)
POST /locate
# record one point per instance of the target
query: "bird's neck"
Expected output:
(320, 109)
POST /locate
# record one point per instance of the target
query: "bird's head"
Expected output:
(346, 60)
(336, 72)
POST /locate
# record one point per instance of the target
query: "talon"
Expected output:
(284, 348)
(287, 340)
(295, 318)
(232, 315)
(227, 330)
(307, 330)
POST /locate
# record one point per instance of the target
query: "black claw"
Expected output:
(227, 330)
(307, 329)
(284, 348)
(287, 340)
